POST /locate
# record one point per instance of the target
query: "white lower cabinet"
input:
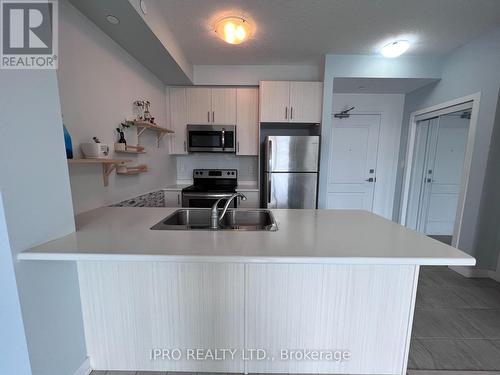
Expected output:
(173, 198)
(134, 310)
(252, 199)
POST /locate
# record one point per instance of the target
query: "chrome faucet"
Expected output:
(214, 216)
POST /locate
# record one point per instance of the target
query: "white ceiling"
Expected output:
(379, 85)
(302, 31)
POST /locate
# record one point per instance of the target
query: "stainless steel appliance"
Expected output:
(291, 171)
(208, 186)
(211, 138)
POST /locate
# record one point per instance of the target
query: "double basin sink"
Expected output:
(238, 220)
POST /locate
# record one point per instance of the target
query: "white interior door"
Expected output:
(353, 162)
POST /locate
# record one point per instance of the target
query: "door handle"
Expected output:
(223, 139)
(268, 189)
(371, 179)
(270, 155)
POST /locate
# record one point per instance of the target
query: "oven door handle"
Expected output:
(223, 139)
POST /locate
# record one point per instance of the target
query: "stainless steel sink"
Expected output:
(199, 219)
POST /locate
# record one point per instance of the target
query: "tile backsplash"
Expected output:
(246, 165)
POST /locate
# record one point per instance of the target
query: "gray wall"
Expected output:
(471, 68)
(35, 186)
(488, 235)
(14, 357)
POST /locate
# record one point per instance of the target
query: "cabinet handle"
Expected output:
(178, 199)
(286, 112)
(213, 116)
(208, 116)
(291, 112)
(237, 146)
(185, 148)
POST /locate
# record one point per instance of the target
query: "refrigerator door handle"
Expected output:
(269, 155)
(268, 189)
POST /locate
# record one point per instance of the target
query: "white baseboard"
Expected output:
(476, 272)
(84, 369)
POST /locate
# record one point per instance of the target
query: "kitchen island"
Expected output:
(338, 283)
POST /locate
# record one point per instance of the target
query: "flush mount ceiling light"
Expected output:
(112, 19)
(233, 30)
(396, 48)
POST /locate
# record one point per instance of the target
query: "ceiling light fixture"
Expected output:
(112, 19)
(233, 30)
(142, 5)
(396, 48)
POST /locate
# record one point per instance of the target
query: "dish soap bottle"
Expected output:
(67, 143)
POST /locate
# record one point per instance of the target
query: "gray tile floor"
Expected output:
(456, 325)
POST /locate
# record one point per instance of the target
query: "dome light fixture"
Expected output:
(396, 48)
(233, 30)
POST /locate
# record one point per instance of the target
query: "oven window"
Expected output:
(209, 139)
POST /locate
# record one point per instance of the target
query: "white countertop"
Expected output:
(304, 236)
(175, 187)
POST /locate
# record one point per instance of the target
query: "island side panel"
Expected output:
(130, 308)
(365, 309)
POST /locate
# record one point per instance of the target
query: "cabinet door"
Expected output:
(223, 106)
(178, 120)
(306, 99)
(247, 121)
(199, 105)
(274, 101)
(173, 198)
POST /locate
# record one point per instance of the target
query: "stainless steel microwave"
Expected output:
(211, 138)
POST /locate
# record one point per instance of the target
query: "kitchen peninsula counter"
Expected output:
(304, 236)
(327, 280)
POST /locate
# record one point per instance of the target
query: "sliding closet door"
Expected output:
(445, 170)
(424, 143)
(436, 172)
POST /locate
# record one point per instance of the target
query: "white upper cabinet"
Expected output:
(208, 106)
(177, 105)
(306, 99)
(274, 101)
(247, 121)
(290, 101)
(199, 105)
(223, 106)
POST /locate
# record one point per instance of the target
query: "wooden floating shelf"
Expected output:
(133, 170)
(108, 165)
(142, 126)
(130, 152)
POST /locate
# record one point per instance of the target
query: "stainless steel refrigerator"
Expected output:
(291, 171)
